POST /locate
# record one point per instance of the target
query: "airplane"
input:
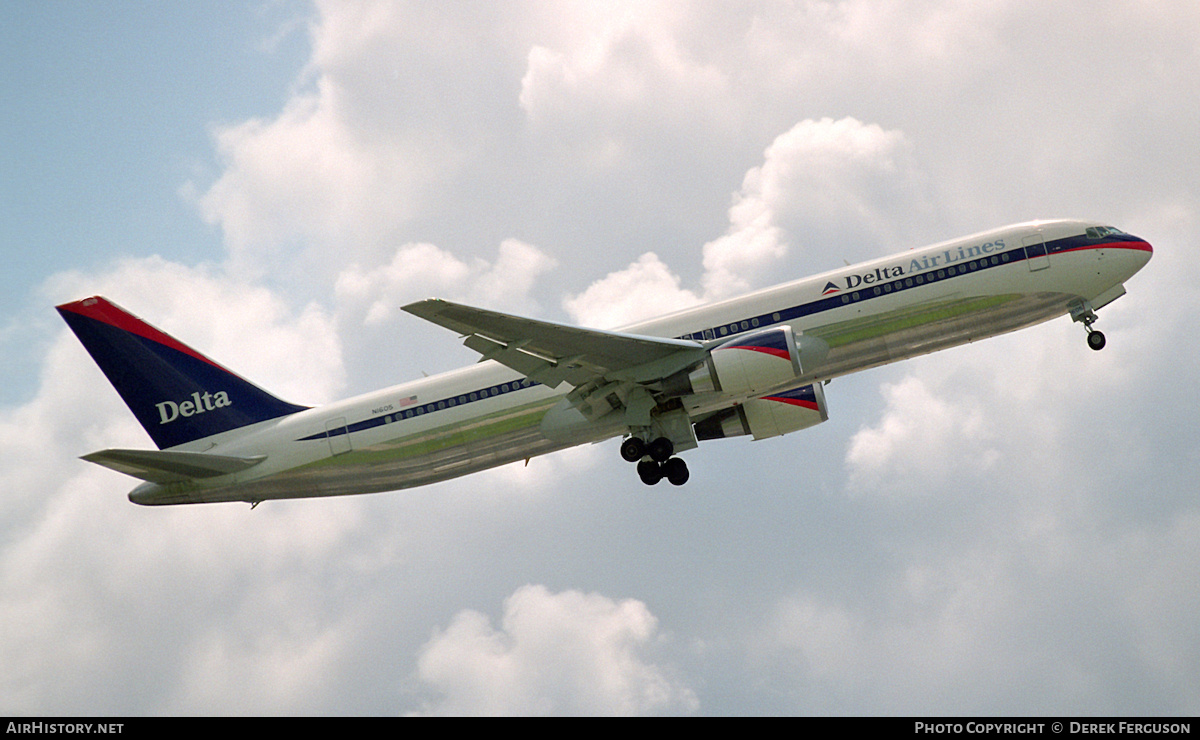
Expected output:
(754, 365)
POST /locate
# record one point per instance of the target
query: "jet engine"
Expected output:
(750, 364)
(769, 416)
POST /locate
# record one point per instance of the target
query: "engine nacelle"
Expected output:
(750, 364)
(770, 416)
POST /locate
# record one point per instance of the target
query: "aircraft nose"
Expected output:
(1131, 255)
(1143, 248)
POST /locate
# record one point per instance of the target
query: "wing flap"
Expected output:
(158, 466)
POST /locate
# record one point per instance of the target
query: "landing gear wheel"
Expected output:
(661, 449)
(1096, 340)
(650, 472)
(633, 449)
(676, 471)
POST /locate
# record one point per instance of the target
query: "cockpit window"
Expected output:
(1099, 232)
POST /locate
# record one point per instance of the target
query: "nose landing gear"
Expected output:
(1084, 314)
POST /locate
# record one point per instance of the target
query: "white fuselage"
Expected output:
(486, 415)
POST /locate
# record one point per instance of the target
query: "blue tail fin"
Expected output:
(177, 394)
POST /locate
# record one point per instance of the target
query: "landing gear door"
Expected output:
(1035, 253)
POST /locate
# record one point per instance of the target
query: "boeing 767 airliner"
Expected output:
(753, 365)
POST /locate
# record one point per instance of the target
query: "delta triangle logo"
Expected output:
(830, 288)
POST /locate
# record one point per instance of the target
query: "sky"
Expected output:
(1009, 527)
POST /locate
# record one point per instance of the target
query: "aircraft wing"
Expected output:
(551, 353)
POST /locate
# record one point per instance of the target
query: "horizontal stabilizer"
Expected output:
(157, 466)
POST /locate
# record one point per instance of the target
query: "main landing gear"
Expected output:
(654, 461)
(1084, 314)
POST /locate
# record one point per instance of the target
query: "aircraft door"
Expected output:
(338, 436)
(1035, 253)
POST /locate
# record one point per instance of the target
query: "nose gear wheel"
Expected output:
(1084, 314)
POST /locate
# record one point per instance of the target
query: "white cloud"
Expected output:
(418, 271)
(820, 182)
(356, 154)
(645, 289)
(1057, 543)
(310, 178)
(923, 441)
(565, 653)
(940, 623)
(239, 323)
(616, 67)
(85, 574)
(969, 622)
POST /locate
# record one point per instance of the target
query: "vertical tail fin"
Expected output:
(177, 394)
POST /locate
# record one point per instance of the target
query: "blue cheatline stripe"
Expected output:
(910, 281)
(1082, 241)
(442, 404)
